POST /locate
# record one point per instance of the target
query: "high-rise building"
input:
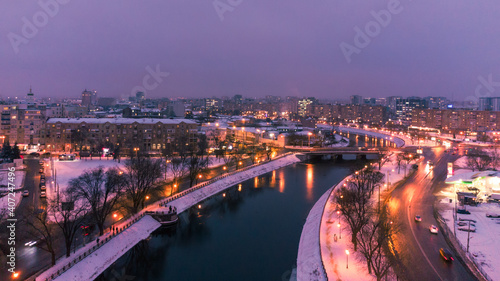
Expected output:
(356, 99)
(302, 105)
(489, 104)
(89, 98)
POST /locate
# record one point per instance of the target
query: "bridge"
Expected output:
(338, 153)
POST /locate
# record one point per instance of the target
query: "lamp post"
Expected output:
(347, 258)
(309, 138)
(340, 230)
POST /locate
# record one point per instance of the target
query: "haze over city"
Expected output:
(256, 48)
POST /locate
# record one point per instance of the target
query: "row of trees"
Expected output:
(92, 197)
(371, 227)
(9, 153)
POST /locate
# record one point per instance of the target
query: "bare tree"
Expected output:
(479, 160)
(372, 239)
(68, 216)
(101, 190)
(354, 200)
(40, 228)
(142, 175)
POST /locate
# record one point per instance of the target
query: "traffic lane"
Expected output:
(431, 243)
(425, 263)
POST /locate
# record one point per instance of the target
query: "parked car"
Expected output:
(26, 193)
(463, 223)
(418, 218)
(43, 188)
(492, 215)
(467, 228)
(41, 170)
(42, 176)
(42, 180)
(40, 162)
(433, 229)
(446, 254)
(463, 211)
(43, 195)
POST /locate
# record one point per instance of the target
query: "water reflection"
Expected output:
(232, 235)
(309, 182)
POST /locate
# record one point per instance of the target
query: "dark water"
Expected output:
(251, 233)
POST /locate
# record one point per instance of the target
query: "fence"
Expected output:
(161, 203)
(459, 248)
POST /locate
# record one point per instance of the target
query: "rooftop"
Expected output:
(119, 120)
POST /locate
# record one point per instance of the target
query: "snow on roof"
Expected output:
(471, 176)
(119, 120)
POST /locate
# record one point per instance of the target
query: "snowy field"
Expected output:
(90, 267)
(18, 180)
(484, 244)
(4, 203)
(67, 170)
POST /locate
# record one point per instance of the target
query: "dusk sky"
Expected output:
(292, 47)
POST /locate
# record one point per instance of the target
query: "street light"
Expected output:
(309, 138)
(340, 231)
(347, 256)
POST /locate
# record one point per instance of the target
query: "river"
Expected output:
(250, 232)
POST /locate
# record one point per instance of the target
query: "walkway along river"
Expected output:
(249, 232)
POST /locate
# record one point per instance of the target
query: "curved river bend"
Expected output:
(250, 232)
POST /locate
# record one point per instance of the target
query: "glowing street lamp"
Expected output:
(309, 136)
(340, 230)
(147, 197)
(347, 256)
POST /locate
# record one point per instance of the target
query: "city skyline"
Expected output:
(251, 48)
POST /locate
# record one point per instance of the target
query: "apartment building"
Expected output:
(92, 134)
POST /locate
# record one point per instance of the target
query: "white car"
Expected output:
(26, 193)
(433, 229)
(43, 195)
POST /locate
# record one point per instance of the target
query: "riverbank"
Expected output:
(86, 271)
(323, 244)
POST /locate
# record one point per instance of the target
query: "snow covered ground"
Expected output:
(4, 203)
(484, 244)
(90, 267)
(18, 179)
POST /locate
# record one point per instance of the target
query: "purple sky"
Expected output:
(260, 48)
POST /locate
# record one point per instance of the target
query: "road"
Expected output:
(417, 248)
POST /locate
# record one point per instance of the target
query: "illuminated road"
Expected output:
(417, 248)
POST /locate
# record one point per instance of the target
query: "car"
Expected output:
(43, 195)
(42, 176)
(418, 218)
(492, 215)
(430, 163)
(43, 188)
(26, 193)
(40, 162)
(464, 223)
(30, 243)
(463, 211)
(36, 154)
(446, 254)
(467, 228)
(433, 229)
(41, 170)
